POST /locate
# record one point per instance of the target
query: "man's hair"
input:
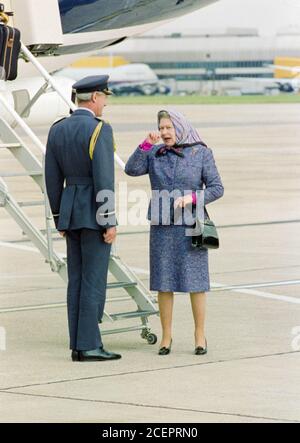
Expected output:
(87, 97)
(84, 97)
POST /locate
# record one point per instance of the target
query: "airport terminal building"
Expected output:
(209, 61)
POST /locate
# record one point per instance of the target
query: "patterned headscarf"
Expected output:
(185, 133)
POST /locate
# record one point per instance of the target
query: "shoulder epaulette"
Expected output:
(105, 122)
(59, 120)
(114, 141)
(96, 135)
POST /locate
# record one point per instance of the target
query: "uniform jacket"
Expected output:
(171, 172)
(73, 180)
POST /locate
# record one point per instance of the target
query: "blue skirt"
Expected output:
(175, 266)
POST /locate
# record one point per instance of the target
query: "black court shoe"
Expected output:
(164, 350)
(201, 351)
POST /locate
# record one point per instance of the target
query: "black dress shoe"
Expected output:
(201, 351)
(75, 356)
(164, 350)
(99, 354)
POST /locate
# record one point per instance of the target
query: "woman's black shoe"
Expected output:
(201, 351)
(164, 350)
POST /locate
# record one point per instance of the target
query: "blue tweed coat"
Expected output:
(174, 265)
(171, 172)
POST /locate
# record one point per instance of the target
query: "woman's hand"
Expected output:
(182, 202)
(153, 138)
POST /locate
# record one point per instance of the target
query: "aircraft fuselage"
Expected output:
(95, 24)
(99, 15)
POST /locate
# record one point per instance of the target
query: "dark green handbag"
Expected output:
(207, 235)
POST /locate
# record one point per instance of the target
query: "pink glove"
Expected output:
(194, 198)
(146, 146)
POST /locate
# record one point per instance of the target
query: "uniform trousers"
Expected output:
(88, 259)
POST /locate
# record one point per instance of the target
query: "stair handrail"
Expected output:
(57, 89)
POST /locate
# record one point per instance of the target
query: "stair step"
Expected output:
(121, 285)
(135, 314)
(21, 174)
(53, 231)
(30, 204)
(10, 145)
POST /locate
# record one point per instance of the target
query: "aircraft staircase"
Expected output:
(44, 239)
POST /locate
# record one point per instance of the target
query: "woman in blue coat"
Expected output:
(179, 167)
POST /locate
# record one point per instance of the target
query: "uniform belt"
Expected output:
(70, 181)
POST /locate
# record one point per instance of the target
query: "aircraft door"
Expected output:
(30, 16)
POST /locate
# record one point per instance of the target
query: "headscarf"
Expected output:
(185, 132)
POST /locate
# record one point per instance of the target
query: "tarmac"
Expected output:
(251, 373)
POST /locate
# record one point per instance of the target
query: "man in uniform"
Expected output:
(80, 153)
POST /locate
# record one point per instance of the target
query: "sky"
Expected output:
(268, 16)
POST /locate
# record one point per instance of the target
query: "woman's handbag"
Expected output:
(208, 239)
